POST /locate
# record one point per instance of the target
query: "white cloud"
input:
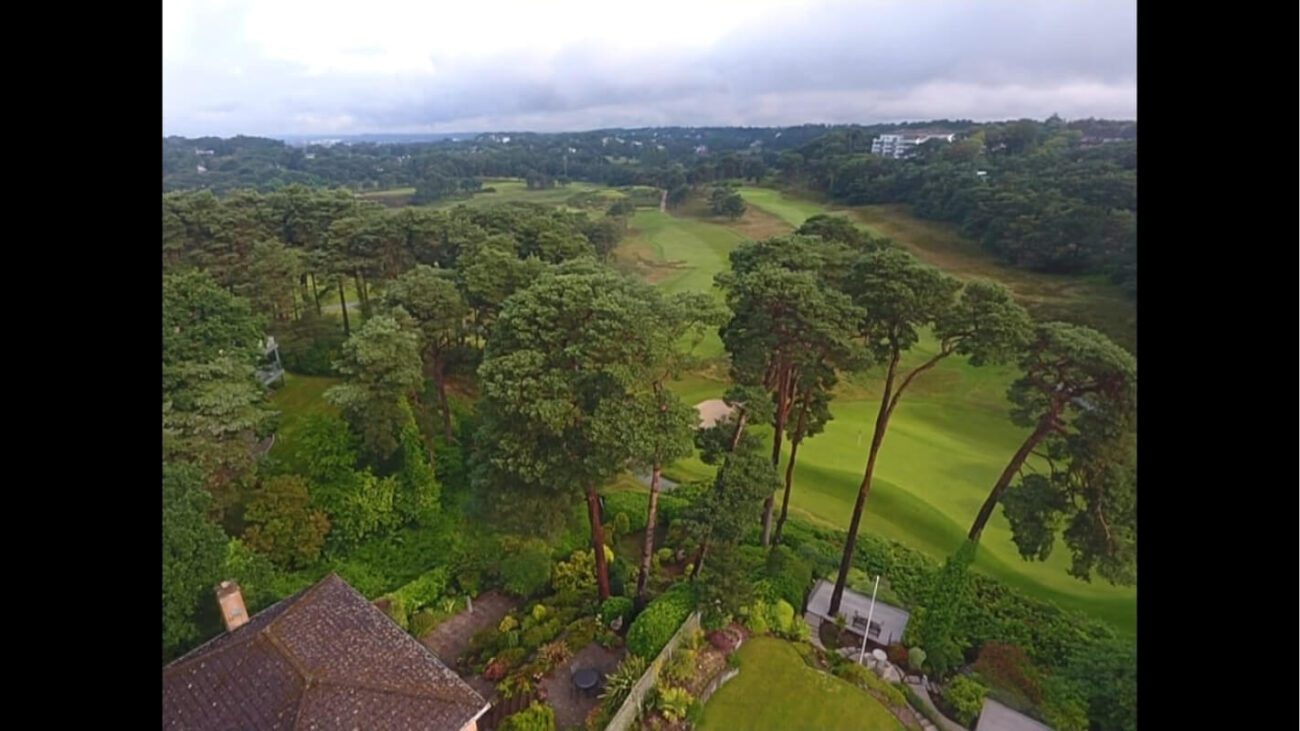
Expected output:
(281, 66)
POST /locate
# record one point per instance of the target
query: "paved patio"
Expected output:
(572, 707)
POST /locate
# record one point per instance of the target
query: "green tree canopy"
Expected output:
(381, 365)
(194, 549)
(432, 299)
(562, 360)
(282, 524)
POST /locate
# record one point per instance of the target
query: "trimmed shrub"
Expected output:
(536, 717)
(965, 696)
(630, 505)
(424, 590)
(655, 626)
(756, 618)
(615, 607)
(916, 659)
(782, 618)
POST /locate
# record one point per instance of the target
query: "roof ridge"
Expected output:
(302, 596)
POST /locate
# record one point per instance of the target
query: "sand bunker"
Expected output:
(711, 411)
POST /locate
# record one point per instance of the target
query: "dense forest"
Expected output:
(1050, 196)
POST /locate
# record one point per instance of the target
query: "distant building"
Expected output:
(204, 153)
(325, 658)
(900, 145)
(200, 168)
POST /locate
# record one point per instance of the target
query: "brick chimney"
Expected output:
(232, 605)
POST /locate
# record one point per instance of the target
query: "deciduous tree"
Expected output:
(282, 523)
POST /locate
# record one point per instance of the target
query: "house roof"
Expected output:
(996, 717)
(324, 658)
(892, 620)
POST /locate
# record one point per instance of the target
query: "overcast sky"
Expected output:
(269, 67)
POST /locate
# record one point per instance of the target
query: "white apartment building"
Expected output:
(900, 145)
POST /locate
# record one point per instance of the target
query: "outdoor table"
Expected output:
(586, 679)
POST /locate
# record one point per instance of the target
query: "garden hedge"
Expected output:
(655, 625)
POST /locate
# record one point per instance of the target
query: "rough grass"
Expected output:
(1087, 300)
(777, 689)
(946, 444)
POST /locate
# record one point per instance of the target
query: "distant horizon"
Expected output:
(287, 136)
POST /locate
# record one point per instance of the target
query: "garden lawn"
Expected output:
(298, 399)
(776, 689)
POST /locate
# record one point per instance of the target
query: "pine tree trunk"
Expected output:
(315, 293)
(789, 480)
(648, 546)
(440, 381)
(850, 541)
(347, 329)
(698, 562)
(361, 292)
(598, 542)
(740, 430)
(1004, 480)
(782, 410)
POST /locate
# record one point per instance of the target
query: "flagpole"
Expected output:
(870, 613)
